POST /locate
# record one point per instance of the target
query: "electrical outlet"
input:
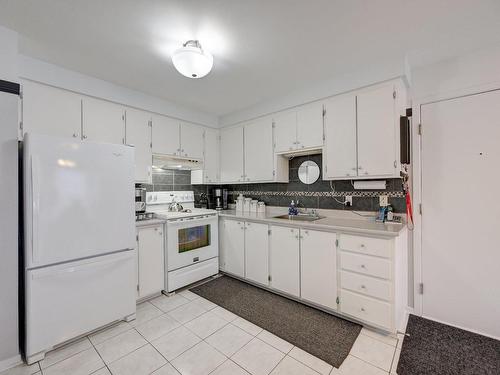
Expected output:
(348, 200)
(383, 201)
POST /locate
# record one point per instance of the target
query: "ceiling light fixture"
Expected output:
(192, 61)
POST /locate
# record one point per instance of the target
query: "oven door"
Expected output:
(191, 240)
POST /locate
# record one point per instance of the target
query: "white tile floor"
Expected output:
(188, 335)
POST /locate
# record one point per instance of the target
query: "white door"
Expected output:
(103, 121)
(138, 134)
(257, 252)
(259, 153)
(166, 135)
(151, 261)
(310, 125)
(192, 140)
(339, 154)
(318, 267)
(51, 111)
(231, 154)
(211, 160)
(460, 220)
(284, 260)
(233, 247)
(377, 132)
(68, 183)
(285, 131)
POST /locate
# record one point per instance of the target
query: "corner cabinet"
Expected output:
(150, 261)
(138, 135)
(362, 133)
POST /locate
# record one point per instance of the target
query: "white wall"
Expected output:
(9, 344)
(376, 72)
(40, 71)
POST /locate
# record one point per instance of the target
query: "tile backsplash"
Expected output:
(316, 195)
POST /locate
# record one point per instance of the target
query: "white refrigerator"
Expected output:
(79, 239)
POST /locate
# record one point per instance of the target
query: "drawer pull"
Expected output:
(362, 245)
(363, 309)
(363, 287)
(363, 266)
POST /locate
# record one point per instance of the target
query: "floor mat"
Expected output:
(438, 349)
(318, 333)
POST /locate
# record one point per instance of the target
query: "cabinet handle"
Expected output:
(360, 168)
(362, 246)
(366, 172)
(84, 137)
(354, 169)
(363, 309)
(75, 135)
(363, 266)
(306, 232)
(363, 287)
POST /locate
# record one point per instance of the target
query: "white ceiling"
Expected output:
(262, 49)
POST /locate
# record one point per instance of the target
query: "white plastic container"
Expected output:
(261, 208)
(239, 203)
(246, 204)
(253, 205)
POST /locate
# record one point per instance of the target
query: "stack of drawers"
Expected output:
(367, 279)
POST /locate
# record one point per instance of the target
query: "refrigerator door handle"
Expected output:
(35, 198)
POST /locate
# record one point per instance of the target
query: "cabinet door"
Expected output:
(231, 155)
(339, 154)
(285, 131)
(259, 154)
(284, 260)
(318, 268)
(151, 261)
(211, 162)
(376, 132)
(166, 135)
(257, 252)
(103, 121)
(310, 125)
(138, 134)
(192, 140)
(233, 247)
(51, 111)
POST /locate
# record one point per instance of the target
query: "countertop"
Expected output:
(145, 223)
(334, 220)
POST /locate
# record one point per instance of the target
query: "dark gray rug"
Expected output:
(439, 349)
(323, 335)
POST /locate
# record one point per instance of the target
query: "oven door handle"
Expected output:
(190, 220)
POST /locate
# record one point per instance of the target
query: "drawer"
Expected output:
(366, 264)
(366, 245)
(367, 309)
(366, 285)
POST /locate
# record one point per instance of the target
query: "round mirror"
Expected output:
(308, 172)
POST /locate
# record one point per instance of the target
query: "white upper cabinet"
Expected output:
(51, 111)
(191, 140)
(339, 153)
(165, 135)
(231, 155)
(299, 128)
(138, 134)
(103, 121)
(377, 131)
(310, 125)
(259, 155)
(285, 131)
(211, 160)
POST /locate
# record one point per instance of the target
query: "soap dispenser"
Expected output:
(292, 210)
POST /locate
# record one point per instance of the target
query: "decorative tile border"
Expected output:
(359, 194)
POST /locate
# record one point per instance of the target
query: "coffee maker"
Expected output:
(220, 199)
(140, 200)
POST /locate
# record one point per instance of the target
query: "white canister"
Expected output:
(261, 208)
(246, 204)
(253, 205)
(239, 203)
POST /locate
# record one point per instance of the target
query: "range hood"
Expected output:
(176, 162)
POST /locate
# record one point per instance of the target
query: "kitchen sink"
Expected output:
(299, 217)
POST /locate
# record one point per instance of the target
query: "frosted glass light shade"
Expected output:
(192, 61)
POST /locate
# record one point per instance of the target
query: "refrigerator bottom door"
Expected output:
(68, 300)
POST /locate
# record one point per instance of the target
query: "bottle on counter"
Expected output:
(389, 213)
(239, 203)
(292, 210)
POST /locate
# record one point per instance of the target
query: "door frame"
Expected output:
(416, 185)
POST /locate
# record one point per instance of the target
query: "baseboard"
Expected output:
(10, 362)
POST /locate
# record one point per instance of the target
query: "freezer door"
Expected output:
(71, 299)
(79, 199)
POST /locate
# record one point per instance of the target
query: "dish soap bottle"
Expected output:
(292, 210)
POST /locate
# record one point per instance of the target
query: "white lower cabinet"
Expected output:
(232, 247)
(257, 252)
(318, 266)
(284, 260)
(150, 261)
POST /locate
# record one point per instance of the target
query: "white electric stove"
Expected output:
(192, 243)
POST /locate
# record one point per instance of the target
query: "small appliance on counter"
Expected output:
(220, 199)
(203, 202)
(140, 200)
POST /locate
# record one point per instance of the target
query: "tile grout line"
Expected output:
(99, 354)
